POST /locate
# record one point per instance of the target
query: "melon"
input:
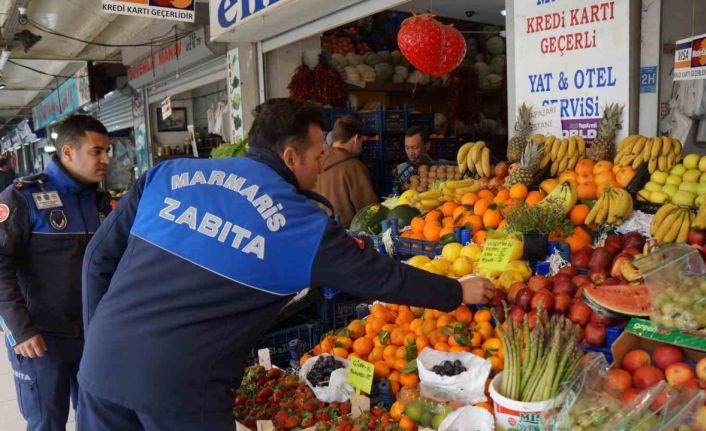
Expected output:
(625, 299)
(404, 215)
(368, 219)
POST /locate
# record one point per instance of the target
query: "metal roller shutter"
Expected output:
(208, 72)
(115, 112)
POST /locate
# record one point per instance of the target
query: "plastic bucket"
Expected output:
(516, 415)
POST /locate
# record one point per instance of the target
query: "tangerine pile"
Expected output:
(392, 336)
(590, 178)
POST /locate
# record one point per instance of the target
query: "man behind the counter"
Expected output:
(45, 223)
(192, 267)
(416, 148)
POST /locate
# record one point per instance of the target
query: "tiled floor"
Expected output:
(10, 417)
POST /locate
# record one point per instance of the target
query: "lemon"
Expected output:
(442, 264)
(451, 251)
(461, 266)
(489, 273)
(472, 251)
(508, 278)
(418, 261)
(518, 249)
(430, 267)
(520, 267)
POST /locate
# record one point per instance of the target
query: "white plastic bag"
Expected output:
(338, 388)
(468, 418)
(466, 388)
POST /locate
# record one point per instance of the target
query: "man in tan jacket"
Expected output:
(344, 179)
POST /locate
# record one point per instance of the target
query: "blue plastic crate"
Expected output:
(372, 150)
(332, 114)
(411, 247)
(424, 119)
(339, 311)
(393, 150)
(445, 148)
(372, 121)
(309, 333)
(612, 334)
(395, 121)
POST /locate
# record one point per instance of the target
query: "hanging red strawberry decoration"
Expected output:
(431, 46)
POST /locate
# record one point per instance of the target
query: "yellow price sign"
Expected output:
(496, 254)
(360, 375)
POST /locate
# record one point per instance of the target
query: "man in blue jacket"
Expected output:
(46, 222)
(192, 267)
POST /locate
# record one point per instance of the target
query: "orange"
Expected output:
(340, 352)
(376, 354)
(432, 232)
(492, 345)
(482, 315)
(397, 337)
(496, 364)
(518, 191)
(304, 358)
(444, 320)
(485, 194)
(584, 166)
(317, 350)
(381, 369)
(602, 166)
(397, 409)
(604, 177)
(624, 176)
(492, 218)
(479, 352)
(586, 178)
(395, 387)
(534, 197)
(355, 355)
(416, 324)
(389, 352)
(485, 405)
(611, 184)
(458, 349)
(433, 216)
(344, 342)
(548, 185)
(404, 315)
(326, 345)
(481, 207)
(422, 343)
(581, 232)
(356, 329)
(400, 353)
(475, 221)
(447, 221)
(409, 379)
(568, 176)
(578, 214)
(446, 230)
(410, 339)
(442, 347)
(417, 224)
(464, 314)
(485, 329)
(363, 346)
(459, 212)
(448, 208)
(587, 191)
(400, 364)
(382, 313)
(469, 198)
(407, 424)
(575, 242)
(479, 237)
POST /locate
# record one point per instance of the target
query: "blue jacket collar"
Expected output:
(63, 180)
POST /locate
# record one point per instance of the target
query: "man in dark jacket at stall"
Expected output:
(192, 267)
(46, 222)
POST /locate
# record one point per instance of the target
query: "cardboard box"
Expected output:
(628, 341)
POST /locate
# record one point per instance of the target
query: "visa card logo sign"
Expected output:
(690, 58)
(176, 10)
(225, 15)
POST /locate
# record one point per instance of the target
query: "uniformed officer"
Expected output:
(46, 222)
(192, 267)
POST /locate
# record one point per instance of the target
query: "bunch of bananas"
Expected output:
(474, 157)
(700, 219)
(564, 193)
(454, 190)
(613, 206)
(426, 201)
(562, 153)
(671, 223)
(660, 153)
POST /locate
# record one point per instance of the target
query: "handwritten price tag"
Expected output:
(496, 254)
(263, 357)
(361, 374)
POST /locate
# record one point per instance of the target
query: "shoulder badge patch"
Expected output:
(4, 212)
(57, 219)
(359, 241)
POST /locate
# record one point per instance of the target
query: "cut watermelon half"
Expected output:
(622, 299)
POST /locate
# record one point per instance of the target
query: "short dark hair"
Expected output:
(4, 162)
(281, 122)
(73, 130)
(418, 130)
(345, 128)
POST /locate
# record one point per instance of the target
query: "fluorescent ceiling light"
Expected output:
(54, 135)
(503, 12)
(49, 149)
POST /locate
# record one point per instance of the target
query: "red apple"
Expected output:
(603, 319)
(679, 373)
(611, 281)
(524, 298)
(597, 275)
(582, 257)
(514, 288)
(612, 250)
(517, 314)
(562, 301)
(580, 279)
(560, 278)
(635, 359)
(595, 334)
(664, 356)
(701, 371)
(500, 312)
(538, 282)
(532, 318)
(617, 381)
(615, 241)
(569, 270)
(696, 236)
(602, 258)
(629, 395)
(580, 313)
(661, 399)
(498, 298)
(564, 286)
(544, 298)
(633, 239)
(632, 251)
(647, 376)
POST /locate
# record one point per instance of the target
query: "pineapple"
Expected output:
(602, 146)
(523, 127)
(528, 167)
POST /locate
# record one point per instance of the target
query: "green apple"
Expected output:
(659, 197)
(652, 187)
(702, 164)
(701, 189)
(699, 200)
(683, 197)
(692, 175)
(643, 195)
(659, 177)
(673, 179)
(678, 170)
(691, 161)
(670, 189)
(688, 186)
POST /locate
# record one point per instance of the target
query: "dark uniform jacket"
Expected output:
(192, 267)
(46, 222)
